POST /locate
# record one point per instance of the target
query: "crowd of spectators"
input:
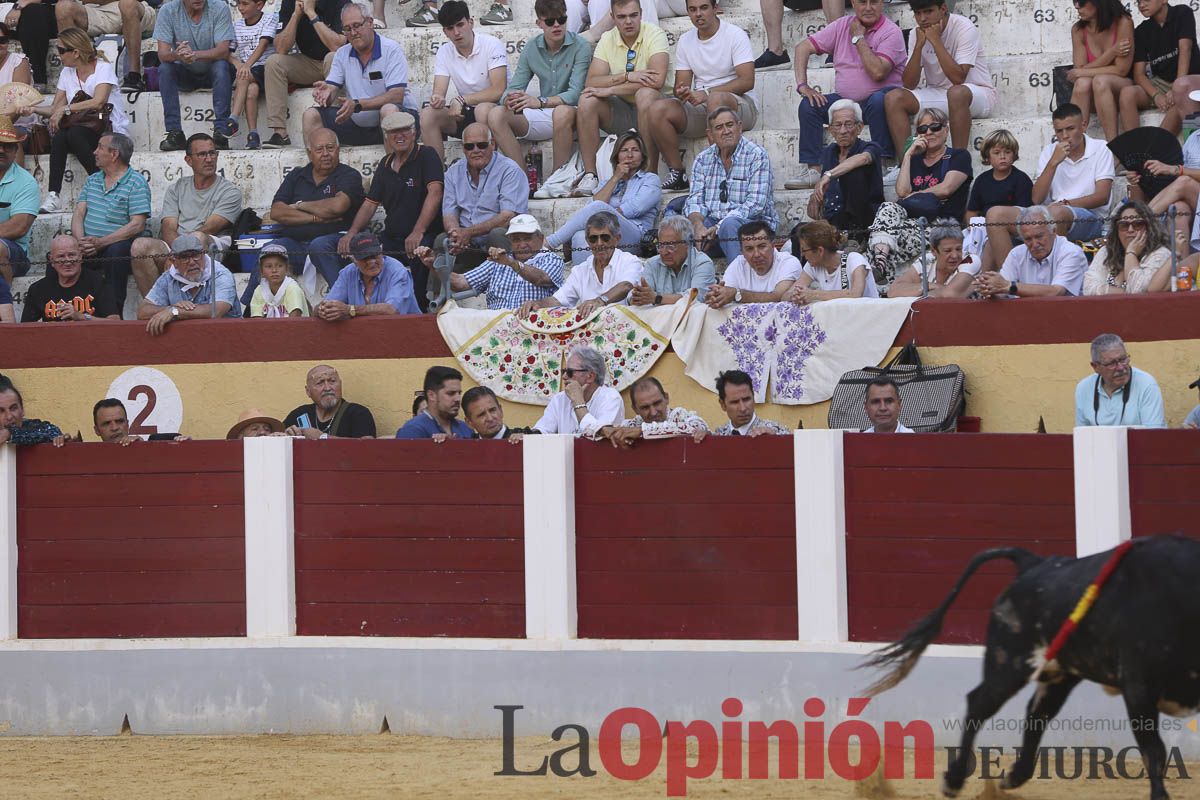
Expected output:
(921, 93)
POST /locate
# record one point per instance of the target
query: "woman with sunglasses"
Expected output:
(1101, 55)
(88, 73)
(1136, 257)
(632, 194)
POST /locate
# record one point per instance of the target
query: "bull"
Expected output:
(1139, 640)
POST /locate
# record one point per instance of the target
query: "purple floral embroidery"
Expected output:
(791, 336)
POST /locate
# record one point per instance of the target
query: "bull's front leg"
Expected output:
(982, 703)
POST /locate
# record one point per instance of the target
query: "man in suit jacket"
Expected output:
(485, 416)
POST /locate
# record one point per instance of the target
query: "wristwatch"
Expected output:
(737, 295)
(353, 312)
(658, 299)
(357, 107)
(856, 39)
(174, 312)
(1012, 288)
(541, 102)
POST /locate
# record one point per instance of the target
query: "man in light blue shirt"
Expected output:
(20, 198)
(194, 38)
(677, 269)
(1118, 394)
(185, 290)
(373, 284)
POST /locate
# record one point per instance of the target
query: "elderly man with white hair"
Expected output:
(850, 189)
(1119, 393)
(585, 404)
(1046, 265)
(677, 269)
(606, 277)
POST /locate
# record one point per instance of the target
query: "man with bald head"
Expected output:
(69, 292)
(314, 206)
(483, 192)
(328, 416)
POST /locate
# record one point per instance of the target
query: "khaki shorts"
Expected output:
(106, 19)
(624, 115)
(1161, 84)
(697, 117)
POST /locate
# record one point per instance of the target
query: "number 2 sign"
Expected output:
(151, 399)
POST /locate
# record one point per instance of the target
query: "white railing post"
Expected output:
(1102, 519)
(270, 537)
(551, 610)
(821, 536)
(8, 542)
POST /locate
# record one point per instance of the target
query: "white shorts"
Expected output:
(541, 127)
(671, 8)
(983, 100)
(581, 15)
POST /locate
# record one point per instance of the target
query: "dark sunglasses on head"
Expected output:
(468, 146)
(550, 22)
(62, 51)
(932, 127)
(604, 238)
(724, 191)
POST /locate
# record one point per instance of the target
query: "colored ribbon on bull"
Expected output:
(1085, 603)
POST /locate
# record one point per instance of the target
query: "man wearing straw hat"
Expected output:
(19, 201)
(253, 422)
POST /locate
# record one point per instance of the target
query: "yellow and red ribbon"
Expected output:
(1086, 601)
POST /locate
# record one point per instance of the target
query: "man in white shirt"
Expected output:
(478, 66)
(1075, 178)
(586, 404)
(761, 274)
(1046, 265)
(714, 68)
(655, 419)
(735, 393)
(606, 277)
(882, 404)
(947, 51)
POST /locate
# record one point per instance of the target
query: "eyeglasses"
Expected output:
(843, 126)
(190, 255)
(62, 51)
(354, 28)
(669, 245)
(469, 146)
(603, 238)
(1116, 362)
(724, 196)
(630, 57)
(571, 373)
(1131, 224)
(551, 22)
(933, 127)
(205, 154)
(9, 145)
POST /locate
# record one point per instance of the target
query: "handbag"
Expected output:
(98, 120)
(562, 180)
(38, 141)
(1063, 88)
(933, 398)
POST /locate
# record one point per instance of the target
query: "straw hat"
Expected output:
(248, 418)
(8, 132)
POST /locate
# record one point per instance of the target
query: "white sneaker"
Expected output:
(805, 178)
(52, 204)
(891, 176)
(587, 186)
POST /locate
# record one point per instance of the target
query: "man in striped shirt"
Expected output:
(111, 212)
(529, 273)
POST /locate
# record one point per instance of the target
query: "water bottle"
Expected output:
(533, 167)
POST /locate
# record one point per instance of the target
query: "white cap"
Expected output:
(524, 223)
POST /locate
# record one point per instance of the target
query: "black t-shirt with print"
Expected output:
(402, 194)
(1159, 46)
(90, 295)
(357, 421)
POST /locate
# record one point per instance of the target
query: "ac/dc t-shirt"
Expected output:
(1015, 190)
(1158, 45)
(90, 295)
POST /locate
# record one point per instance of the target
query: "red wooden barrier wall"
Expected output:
(684, 541)
(139, 541)
(409, 539)
(919, 507)
(1164, 482)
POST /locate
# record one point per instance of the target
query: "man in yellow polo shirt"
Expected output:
(629, 67)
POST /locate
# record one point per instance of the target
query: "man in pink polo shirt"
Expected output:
(868, 60)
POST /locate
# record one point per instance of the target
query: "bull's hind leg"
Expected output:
(1142, 707)
(1044, 706)
(999, 684)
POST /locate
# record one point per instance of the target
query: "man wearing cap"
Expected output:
(204, 201)
(1118, 394)
(373, 284)
(110, 421)
(69, 292)
(18, 194)
(278, 295)
(252, 423)
(1192, 420)
(189, 288)
(408, 183)
(367, 79)
(328, 416)
(484, 191)
(529, 273)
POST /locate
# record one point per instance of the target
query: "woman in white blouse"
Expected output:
(828, 273)
(949, 274)
(1136, 257)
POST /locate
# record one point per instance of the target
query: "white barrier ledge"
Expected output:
(820, 476)
(270, 537)
(8, 542)
(551, 608)
(1101, 488)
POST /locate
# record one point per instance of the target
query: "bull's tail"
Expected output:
(903, 655)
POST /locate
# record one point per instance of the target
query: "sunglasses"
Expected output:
(469, 146)
(550, 22)
(630, 57)
(571, 373)
(1131, 224)
(9, 145)
(604, 238)
(62, 51)
(933, 127)
(724, 196)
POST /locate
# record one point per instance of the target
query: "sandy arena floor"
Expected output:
(389, 766)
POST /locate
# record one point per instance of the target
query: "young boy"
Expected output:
(277, 295)
(1002, 185)
(1164, 51)
(255, 32)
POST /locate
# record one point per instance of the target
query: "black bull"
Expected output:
(1140, 638)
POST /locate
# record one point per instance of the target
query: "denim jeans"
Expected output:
(813, 118)
(175, 77)
(573, 230)
(323, 252)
